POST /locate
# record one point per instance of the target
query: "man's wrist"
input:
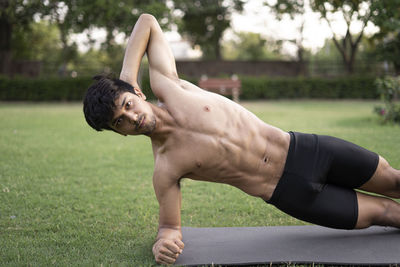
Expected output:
(126, 78)
(169, 232)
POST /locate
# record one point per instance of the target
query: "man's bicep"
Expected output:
(159, 53)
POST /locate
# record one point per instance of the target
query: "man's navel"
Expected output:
(198, 164)
(207, 108)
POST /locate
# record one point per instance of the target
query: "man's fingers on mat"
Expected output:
(180, 244)
(169, 244)
(167, 252)
(172, 247)
(163, 259)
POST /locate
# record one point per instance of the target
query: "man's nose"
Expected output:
(133, 117)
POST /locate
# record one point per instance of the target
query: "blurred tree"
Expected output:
(204, 22)
(387, 40)
(73, 16)
(251, 46)
(329, 52)
(115, 17)
(15, 15)
(96, 60)
(388, 18)
(389, 50)
(44, 36)
(363, 11)
(328, 61)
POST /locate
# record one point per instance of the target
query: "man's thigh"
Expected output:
(333, 206)
(351, 165)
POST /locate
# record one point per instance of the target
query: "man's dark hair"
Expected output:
(98, 104)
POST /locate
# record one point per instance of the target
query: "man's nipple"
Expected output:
(206, 108)
(198, 164)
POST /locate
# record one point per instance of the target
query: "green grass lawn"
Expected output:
(72, 196)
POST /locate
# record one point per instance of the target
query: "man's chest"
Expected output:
(201, 155)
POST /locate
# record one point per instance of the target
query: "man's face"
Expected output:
(132, 115)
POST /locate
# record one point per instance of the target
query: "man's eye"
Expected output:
(128, 104)
(119, 121)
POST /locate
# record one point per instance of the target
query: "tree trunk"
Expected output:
(350, 63)
(5, 45)
(349, 56)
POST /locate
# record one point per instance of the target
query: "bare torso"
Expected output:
(214, 139)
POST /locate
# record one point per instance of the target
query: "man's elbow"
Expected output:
(147, 18)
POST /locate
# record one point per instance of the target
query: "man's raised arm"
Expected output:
(168, 245)
(147, 36)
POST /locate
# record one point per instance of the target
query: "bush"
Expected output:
(389, 89)
(73, 89)
(278, 88)
(51, 89)
(286, 88)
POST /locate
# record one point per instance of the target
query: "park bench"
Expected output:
(223, 86)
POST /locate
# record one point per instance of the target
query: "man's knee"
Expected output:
(385, 181)
(393, 176)
(397, 182)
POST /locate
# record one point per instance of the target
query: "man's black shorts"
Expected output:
(319, 178)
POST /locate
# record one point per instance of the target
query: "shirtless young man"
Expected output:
(205, 136)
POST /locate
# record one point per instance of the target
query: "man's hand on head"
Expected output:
(166, 251)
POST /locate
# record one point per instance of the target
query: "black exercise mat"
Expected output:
(289, 244)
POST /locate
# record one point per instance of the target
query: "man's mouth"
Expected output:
(141, 122)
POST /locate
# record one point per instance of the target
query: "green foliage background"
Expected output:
(73, 89)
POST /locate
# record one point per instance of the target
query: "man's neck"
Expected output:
(165, 124)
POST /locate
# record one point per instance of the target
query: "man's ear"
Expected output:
(139, 93)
